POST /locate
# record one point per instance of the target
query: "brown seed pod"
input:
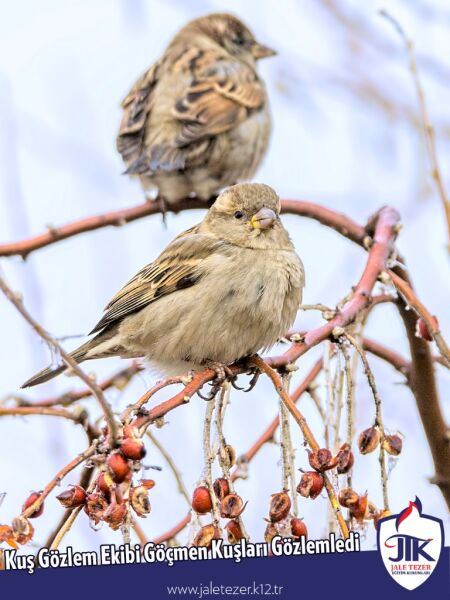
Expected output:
(22, 530)
(311, 484)
(348, 497)
(270, 533)
(393, 444)
(105, 484)
(95, 507)
(234, 532)
(118, 466)
(7, 535)
(221, 488)
(231, 455)
(147, 483)
(345, 459)
(231, 506)
(280, 505)
(360, 510)
(206, 535)
(380, 515)
(115, 515)
(133, 448)
(321, 459)
(31, 500)
(368, 440)
(422, 330)
(201, 500)
(72, 497)
(298, 528)
(140, 501)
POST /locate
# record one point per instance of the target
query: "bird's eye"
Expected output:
(239, 40)
(238, 214)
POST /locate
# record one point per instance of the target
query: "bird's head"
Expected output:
(231, 34)
(248, 215)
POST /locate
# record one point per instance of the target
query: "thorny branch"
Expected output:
(378, 237)
(68, 360)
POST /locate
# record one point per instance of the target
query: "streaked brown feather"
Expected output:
(178, 267)
(220, 95)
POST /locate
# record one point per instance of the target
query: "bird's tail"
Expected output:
(84, 352)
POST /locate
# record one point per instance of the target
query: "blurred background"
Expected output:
(346, 135)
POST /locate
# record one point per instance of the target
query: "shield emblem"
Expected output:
(410, 544)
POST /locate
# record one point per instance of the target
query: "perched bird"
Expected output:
(219, 292)
(198, 120)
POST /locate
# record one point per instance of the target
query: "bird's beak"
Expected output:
(260, 51)
(263, 219)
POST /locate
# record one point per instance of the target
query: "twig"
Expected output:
(58, 478)
(222, 400)
(264, 438)
(428, 129)
(139, 532)
(119, 379)
(79, 417)
(208, 458)
(68, 360)
(378, 416)
(349, 387)
(169, 460)
(413, 302)
(306, 431)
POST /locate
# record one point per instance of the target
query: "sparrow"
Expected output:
(198, 120)
(221, 291)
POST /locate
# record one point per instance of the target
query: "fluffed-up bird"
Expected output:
(198, 120)
(221, 291)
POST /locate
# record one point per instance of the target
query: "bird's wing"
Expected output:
(136, 108)
(219, 94)
(178, 267)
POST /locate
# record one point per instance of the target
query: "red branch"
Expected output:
(117, 218)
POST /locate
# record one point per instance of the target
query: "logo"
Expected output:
(410, 544)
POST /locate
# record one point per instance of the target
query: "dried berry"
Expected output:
(298, 528)
(231, 455)
(345, 459)
(115, 515)
(231, 506)
(321, 459)
(280, 505)
(206, 535)
(221, 488)
(32, 498)
(393, 444)
(270, 533)
(140, 501)
(118, 466)
(201, 500)
(105, 484)
(22, 530)
(422, 330)
(368, 440)
(133, 448)
(359, 510)
(7, 535)
(72, 497)
(95, 507)
(147, 483)
(234, 532)
(348, 497)
(311, 484)
(380, 515)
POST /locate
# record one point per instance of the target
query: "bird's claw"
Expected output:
(223, 373)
